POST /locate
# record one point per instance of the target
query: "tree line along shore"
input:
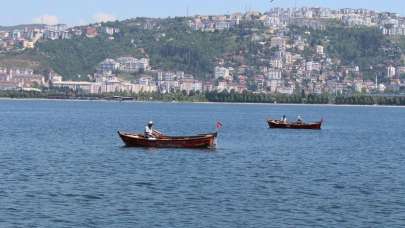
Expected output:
(218, 97)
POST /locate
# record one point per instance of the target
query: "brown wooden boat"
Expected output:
(198, 141)
(295, 125)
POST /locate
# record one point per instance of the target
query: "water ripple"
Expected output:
(62, 165)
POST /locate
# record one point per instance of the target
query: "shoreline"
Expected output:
(198, 102)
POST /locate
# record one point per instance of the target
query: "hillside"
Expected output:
(172, 45)
(360, 46)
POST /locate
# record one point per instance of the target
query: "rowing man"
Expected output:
(149, 130)
(284, 119)
(151, 133)
(299, 120)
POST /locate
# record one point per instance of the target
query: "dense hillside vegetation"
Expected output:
(79, 56)
(172, 46)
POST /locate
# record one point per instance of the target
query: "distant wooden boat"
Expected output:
(295, 125)
(120, 98)
(198, 141)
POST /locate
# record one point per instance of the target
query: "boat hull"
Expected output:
(305, 126)
(199, 141)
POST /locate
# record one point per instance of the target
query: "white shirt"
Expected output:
(148, 131)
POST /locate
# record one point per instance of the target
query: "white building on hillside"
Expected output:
(222, 72)
(274, 74)
(391, 71)
(108, 65)
(132, 65)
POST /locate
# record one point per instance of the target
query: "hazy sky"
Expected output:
(75, 12)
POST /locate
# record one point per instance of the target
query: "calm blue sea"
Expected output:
(62, 165)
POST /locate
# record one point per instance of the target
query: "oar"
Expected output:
(160, 135)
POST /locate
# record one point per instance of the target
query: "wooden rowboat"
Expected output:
(295, 125)
(198, 141)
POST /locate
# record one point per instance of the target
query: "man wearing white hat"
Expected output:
(149, 130)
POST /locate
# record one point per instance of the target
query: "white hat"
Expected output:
(150, 122)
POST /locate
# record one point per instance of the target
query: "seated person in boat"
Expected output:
(149, 132)
(284, 119)
(299, 120)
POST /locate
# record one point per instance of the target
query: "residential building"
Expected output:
(91, 32)
(108, 65)
(391, 72)
(132, 65)
(222, 72)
